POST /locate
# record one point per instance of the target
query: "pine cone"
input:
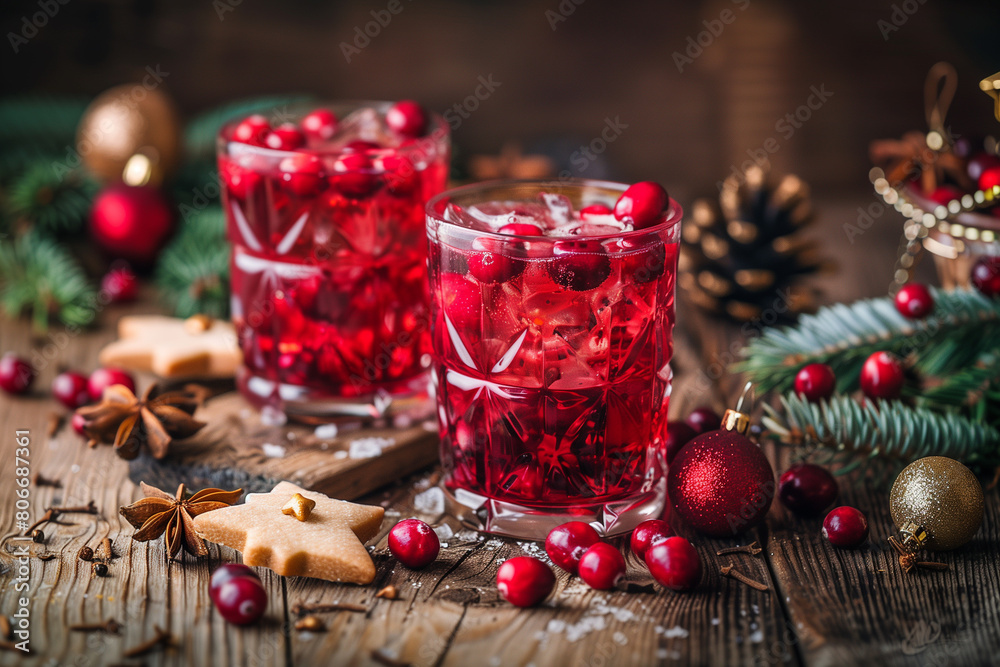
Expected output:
(742, 256)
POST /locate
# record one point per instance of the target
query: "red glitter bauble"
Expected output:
(721, 483)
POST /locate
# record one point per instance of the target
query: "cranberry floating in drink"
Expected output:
(325, 212)
(552, 312)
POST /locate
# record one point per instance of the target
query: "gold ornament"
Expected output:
(126, 121)
(937, 504)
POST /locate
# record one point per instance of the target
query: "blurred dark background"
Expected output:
(563, 68)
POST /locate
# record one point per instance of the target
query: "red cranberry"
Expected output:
(579, 266)
(602, 566)
(301, 174)
(240, 182)
(490, 265)
(678, 435)
(414, 543)
(120, 284)
(816, 382)
(353, 174)
(252, 130)
(525, 581)
(521, 229)
(845, 527)
(285, 137)
(807, 489)
(594, 209)
(990, 178)
(227, 572)
(674, 563)
(703, 420)
(567, 543)
(401, 177)
(914, 301)
(986, 276)
(241, 600)
(882, 376)
(103, 378)
(16, 375)
(648, 533)
(407, 118)
(979, 163)
(460, 300)
(79, 424)
(70, 389)
(642, 203)
(320, 124)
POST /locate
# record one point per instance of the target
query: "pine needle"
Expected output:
(41, 278)
(193, 271)
(51, 202)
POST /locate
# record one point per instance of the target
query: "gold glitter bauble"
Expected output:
(943, 497)
(124, 121)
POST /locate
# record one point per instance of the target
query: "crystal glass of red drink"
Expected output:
(325, 213)
(552, 311)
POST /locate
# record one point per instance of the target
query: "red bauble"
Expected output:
(882, 376)
(721, 483)
(131, 222)
(985, 276)
(914, 301)
(990, 178)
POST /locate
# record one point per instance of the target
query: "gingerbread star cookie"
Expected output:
(173, 347)
(324, 541)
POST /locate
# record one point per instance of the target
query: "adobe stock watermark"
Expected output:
(714, 28)
(562, 12)
(587, 154)
(786, 127)
(30, 25)
(223, 7)
(898, 17)
(461, 111)
(363, 35)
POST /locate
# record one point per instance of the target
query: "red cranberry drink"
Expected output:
(552, 312)
(325, 215)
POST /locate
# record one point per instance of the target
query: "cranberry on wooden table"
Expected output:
(648, 533)
(845, 527)
(240, 600)
(567, 543)
(103, 378)
(16, 374)
(525, 581)
(120, 285)
(70, 389)
(414, 543)
(674, 564)
(807, 489)
(602, 566)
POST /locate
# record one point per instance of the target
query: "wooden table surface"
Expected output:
(824, 606)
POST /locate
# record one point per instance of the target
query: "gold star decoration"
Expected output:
(328, 545)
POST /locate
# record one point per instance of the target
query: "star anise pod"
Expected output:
(154, 420)
(160, 513)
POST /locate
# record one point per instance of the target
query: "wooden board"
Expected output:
(237, 450)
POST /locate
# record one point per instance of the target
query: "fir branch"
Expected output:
(964, 326)
(193, 271)
(202, 132)
(39, 277)
(49, 202)
(965, 389)
(887, 432)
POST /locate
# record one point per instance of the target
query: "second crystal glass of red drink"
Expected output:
(329, 280)
(552, 313)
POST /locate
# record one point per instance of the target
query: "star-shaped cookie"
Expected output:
(329, 544)
(173, 347)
